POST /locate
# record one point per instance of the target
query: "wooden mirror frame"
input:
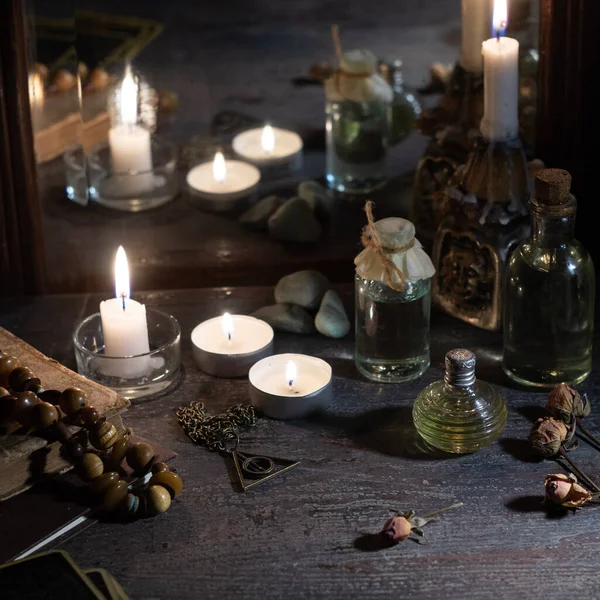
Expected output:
(22, 264)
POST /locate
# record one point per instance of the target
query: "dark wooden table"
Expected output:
(310, 533)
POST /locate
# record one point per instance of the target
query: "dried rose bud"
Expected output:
(547, 435)
(564, 401)
(564, 490)
(397, 529)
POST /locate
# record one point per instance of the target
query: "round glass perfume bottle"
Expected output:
(405, 107)
(459, 413)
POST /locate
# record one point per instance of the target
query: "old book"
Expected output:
(26, 459)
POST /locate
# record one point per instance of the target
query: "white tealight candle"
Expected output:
(124, 327)
(130, 150)
(222, 181)
(269, 146)
(501, 81)
(475, 23)
(228, 346)
(290, 386)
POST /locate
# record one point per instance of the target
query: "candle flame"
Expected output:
(500, 18)
(267, 139)
(227, 326)
(219, 168)
(128, 99)
(36, 89)
(291, 374)
(122, 289)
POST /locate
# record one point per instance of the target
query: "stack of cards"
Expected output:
(55, 574)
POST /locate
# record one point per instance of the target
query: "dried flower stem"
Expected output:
(580, 474)
(437, 512)
(591, 439)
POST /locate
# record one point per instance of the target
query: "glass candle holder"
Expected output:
(159, 368)
(134, 191)
(76, 180)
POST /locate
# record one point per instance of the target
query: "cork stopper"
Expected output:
(552, 187)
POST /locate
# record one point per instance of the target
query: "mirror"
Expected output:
(200, 75)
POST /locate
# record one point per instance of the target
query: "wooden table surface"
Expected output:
(310, 533)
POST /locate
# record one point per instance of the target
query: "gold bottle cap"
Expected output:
(552, 187)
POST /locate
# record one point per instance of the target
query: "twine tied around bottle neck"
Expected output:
(335, 34)
(370, 239)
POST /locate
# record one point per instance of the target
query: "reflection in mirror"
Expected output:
(115, 173)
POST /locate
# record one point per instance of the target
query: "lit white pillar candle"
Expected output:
(124, 326)
(475, 27)
(130, 143)
(501, 81)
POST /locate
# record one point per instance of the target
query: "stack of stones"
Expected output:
(304, 303)
(297, 219)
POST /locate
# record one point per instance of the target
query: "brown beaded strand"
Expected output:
(24, 400)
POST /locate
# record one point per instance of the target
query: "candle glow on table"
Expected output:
(501, 80)
(268, 146)
(124, 326)
(289, 386)
(229, 345)
(223, 180)
(475, 27)
(129, 142)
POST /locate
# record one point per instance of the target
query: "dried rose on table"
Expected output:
(565, 491)
(397, 529)
(564, 401)
(547, 436)
(400, 527)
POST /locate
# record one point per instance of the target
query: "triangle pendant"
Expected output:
(253, 469)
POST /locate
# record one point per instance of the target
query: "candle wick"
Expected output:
(291, 383)
(123, 300)
(229, 335)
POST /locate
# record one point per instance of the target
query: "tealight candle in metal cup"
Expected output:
(229, 345)
(291, 386)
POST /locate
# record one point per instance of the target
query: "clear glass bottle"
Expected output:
(405, 108)
(393, 301)
(357, 125)
(549, 293)
(459, 413)
(392, 330)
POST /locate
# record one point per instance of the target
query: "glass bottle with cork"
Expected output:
(393, 300)
(358, 100)
(549, 293)
(459, 413)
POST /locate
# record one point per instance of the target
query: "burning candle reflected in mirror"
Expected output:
(267, 140)
(219, 168)
(500, 18)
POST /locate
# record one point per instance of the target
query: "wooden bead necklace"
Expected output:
(23, 400)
